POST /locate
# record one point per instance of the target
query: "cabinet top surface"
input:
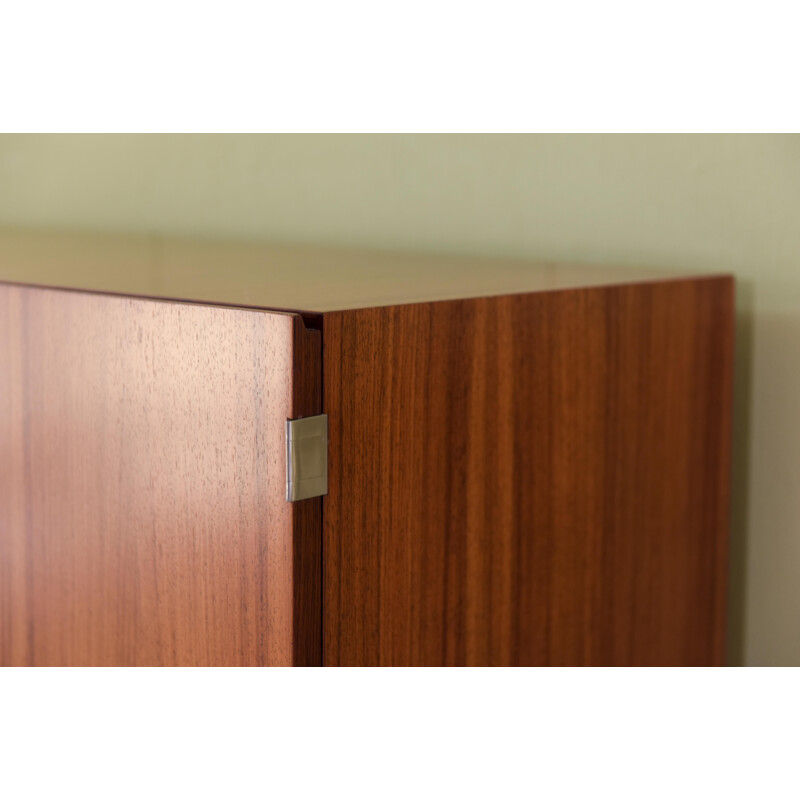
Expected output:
(280, 277)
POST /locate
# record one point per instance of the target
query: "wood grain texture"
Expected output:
(143, 518)
(530, 480)
(279, 277)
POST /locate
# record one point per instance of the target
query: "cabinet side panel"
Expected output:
(530, 480)
(143, 518)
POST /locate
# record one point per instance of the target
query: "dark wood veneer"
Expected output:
(533, 479)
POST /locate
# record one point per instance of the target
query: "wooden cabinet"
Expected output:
(526, 465)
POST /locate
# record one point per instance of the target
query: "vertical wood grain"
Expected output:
(533, 479)
(143, 518)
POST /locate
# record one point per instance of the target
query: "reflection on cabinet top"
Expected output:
(280, 277)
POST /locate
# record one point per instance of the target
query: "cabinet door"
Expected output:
(143, 512)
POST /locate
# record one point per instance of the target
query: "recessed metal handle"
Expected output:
(306, 457)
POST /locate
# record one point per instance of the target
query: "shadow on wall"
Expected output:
(743, 373)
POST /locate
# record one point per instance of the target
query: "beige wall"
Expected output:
(721, 202)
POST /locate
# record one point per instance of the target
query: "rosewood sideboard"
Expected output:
(234, 454)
